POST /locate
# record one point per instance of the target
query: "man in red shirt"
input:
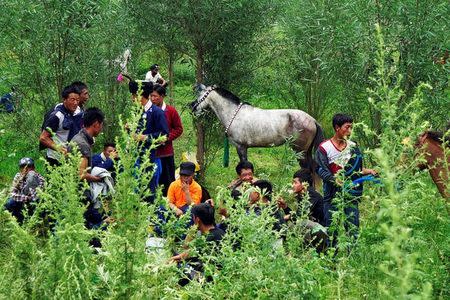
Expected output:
(165, 151)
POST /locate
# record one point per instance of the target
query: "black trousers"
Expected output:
(167, 174)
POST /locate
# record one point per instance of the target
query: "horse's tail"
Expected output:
(312, 165)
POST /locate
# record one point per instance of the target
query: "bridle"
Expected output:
(203, 98)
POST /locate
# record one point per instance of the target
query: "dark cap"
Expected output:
(26, 161)
(187, 168)
(154, 67)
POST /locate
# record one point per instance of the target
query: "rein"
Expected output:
(232, 118)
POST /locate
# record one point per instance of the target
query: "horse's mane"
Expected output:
(228, 95)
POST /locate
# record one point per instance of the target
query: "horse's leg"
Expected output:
(242, 152)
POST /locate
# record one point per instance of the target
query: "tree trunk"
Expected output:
(198, 124)
(171, 83)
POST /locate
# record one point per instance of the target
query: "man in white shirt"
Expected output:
(154, 77)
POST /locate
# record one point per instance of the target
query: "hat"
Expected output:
(154, 67)
(187, 168)
(26, 161)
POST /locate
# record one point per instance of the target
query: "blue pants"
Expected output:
(351, 212)
(153, 185)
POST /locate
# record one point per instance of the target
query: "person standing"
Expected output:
(340, 162)
(165, 152)
(59, 128)
(152, 125)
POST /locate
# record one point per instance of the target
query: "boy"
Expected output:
(340, 155)
(184, 191)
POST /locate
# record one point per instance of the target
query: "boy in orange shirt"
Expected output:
(184, 191)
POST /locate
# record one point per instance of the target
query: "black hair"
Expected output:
(69, 90)
(265, 187)
(133, 87)
(160, 90)
(91, 115)
(147, 88)
(79, 85)
(304, 175)
(244, 165)
(205, 212)
(109, 144)
(341, 119)
(153, 67)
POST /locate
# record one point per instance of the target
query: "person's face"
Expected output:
(71, 102)
(143, 100)
(156, 98)
(345, 130)
(98, 127)
(246, 175)
(155, 71)
(84, 97)
(187, 178)
(24, 170)
(108, 151)
(297, 186)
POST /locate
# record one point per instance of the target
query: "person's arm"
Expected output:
(176, 125)
(323, 169)
(369, 171)
(83, 173)
(181, 256)
(171, 199)
(51, 125)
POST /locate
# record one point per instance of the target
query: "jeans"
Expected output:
(351, 223)
(16, 209)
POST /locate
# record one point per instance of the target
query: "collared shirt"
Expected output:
(84, 143)
(62, 124)
(24, 188)
(176, 196)
(148, 105)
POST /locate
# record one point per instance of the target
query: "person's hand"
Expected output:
(223, 212)
(281, 203)
(338, 182)
(63, 150)
(178, 212)
(369, 172)
(175, 258)
(113, 154)
(185, 187)
(287, 217)
(210, 202)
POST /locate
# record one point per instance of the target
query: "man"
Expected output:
(184, 192)
(302, 185)
(154, 77)
(165, 152)
(84, 97)
(105, 159)
(59, 128)
(244, 170)
(340, 162)
(152, 125)
(24, 189)
(93, 119)
(203, 217)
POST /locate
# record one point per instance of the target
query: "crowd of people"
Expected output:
(69, 125)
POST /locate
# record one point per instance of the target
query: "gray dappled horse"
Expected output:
(248, 126)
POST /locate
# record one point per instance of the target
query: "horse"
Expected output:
(431, 144)
(247, 126)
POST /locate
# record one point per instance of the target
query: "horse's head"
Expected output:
(202, 92)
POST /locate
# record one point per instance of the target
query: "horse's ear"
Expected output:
(198, 87)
